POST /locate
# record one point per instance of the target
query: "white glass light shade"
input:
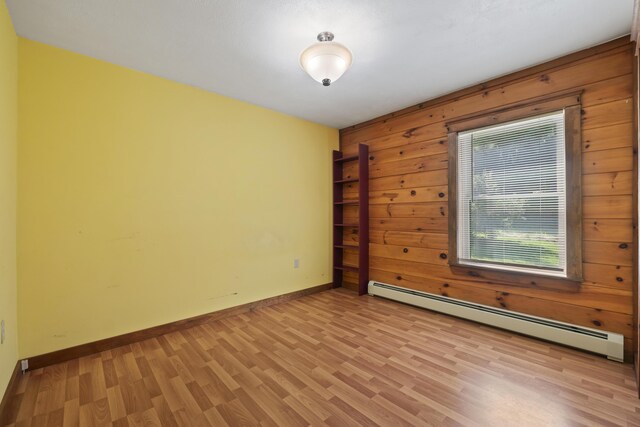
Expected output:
(326, 61)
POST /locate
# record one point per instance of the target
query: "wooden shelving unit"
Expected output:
(362, 246)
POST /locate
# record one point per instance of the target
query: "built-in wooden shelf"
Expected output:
(362, 269)
(342, 159)
(346, 246)
(347, 268)
(346, 181)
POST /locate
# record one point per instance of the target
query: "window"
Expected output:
(515, 193)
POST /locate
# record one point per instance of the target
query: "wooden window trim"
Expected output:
(570, 102)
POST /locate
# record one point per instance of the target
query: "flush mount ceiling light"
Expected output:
(326, 60)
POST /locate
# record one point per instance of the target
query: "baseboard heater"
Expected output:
(606, 343)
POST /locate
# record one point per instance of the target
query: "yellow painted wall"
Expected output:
(8, 141)
(143, 201)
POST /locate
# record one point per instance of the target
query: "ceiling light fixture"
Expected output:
(326, 60)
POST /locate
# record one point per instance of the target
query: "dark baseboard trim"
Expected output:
(8, 394)
(94, 347)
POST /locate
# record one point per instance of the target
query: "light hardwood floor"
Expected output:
(332, 359)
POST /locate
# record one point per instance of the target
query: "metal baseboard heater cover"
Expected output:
(606, 343)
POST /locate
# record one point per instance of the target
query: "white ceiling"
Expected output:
(405, 51)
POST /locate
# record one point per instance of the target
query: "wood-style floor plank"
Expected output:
(332, 359)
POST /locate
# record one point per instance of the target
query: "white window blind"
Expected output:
(512, 195)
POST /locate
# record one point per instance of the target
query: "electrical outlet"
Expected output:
(24, 365)
(296, 263)
(2, 331)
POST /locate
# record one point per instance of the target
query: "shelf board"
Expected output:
(347, 246)
(347, 202)
(346, 225)
(346, 268)
(345, 181)
(347, 158)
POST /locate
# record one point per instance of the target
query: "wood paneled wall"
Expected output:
(408, 193)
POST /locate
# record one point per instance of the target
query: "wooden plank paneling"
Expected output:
(607, 137)
(402, 210)
(434, 224)
(613, 160)
(611, 113)
(608, 230)
(426, 163)
(411, 151)
(615, 276)
(408, 195)
(607, 184)
(406, 238)
(608, 90)
(430, 256)
(607, 206)
(408, 232)
(432, 178)
(610, 253)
